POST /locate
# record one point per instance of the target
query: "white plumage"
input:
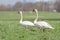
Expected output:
(25, 23)
(41, 24)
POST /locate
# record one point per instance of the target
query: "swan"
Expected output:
(25, 23)
(41, 24)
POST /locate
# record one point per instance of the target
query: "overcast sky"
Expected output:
(14, 1)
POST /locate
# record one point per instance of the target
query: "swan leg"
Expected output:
(43, 30)
(26, 27)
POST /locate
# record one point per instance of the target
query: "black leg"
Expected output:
(43, 30)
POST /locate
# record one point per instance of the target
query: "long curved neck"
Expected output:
(21, 17)
(36, 17)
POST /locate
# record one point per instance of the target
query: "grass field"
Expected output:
(10, 29)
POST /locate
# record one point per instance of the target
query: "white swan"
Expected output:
(41, 24)
(25, 23)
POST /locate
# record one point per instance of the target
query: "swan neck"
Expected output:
(21, 17)
(36, 17)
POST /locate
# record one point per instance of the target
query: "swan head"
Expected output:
(19, 12)
(35, 10)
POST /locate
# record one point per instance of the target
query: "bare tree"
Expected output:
(18, 5)
(57, 5)
(28, 6)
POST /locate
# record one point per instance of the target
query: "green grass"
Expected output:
(10, 29)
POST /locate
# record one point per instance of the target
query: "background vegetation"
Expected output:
(10, 29)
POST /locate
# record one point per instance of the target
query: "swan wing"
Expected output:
(27, 23)
(43, 24)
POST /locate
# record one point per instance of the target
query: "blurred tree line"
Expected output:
(42, 6)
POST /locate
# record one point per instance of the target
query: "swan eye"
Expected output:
(33, 10)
